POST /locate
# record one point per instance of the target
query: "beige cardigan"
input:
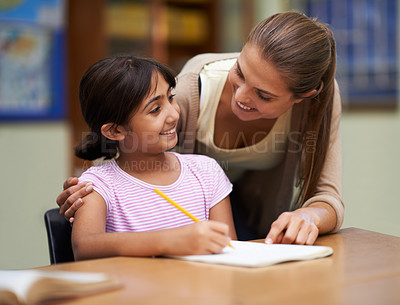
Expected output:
(263, 195)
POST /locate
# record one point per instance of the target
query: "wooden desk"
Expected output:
(364, 269)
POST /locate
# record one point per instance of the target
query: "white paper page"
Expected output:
(253, 254)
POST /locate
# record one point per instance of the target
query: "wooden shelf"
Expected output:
(171, 31)
(168, 30)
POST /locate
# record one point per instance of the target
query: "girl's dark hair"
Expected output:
(304, 52)
(111, 91)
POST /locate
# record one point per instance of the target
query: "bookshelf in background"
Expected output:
(86, 45)
(171, 31)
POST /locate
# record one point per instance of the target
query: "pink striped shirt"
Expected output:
(132, 204)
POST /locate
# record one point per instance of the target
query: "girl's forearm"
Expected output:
(121, 244)
(204, 237)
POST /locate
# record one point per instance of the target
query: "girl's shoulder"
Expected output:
(198, 162)
(101, 167)
(105, 171)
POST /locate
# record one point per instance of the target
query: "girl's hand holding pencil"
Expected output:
(208, 236)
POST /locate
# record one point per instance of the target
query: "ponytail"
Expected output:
(317, 131)
(95, 146)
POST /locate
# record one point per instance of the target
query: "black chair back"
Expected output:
(59, 237)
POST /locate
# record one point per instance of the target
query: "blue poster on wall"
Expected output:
(366, 33)
(32, 60)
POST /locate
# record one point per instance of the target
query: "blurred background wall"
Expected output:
(36, 152)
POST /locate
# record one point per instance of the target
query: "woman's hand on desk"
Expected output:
(303, 225)
(297, 227)
(70, 200)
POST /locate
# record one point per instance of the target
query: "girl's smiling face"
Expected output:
(259, 91)
(152, 129)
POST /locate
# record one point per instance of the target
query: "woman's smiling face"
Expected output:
(259, 91)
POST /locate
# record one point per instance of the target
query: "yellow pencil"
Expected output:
(195, 219)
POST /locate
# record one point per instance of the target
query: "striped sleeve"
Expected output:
(100, 180)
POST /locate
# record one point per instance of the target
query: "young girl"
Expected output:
(129, 106)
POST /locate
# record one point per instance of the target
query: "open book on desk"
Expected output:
(255, 254)
(34, 287)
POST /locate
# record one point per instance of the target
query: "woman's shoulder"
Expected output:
(196, 63)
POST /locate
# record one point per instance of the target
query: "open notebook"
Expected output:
(254, 254)
(35, 287)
